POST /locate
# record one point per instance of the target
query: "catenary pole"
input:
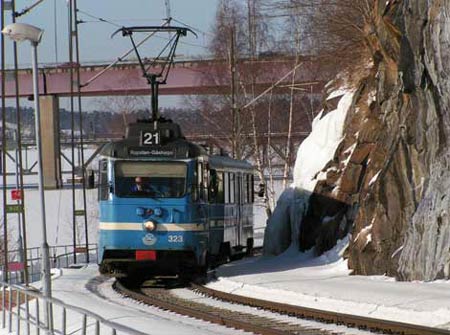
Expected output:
(44, 248)
(80, 114)
(72, 130)
(19, 163)
(4, 148)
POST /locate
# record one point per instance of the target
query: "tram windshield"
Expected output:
(150, 179)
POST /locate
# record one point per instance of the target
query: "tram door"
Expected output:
(202, 179)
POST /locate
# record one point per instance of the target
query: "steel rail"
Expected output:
(353, 321)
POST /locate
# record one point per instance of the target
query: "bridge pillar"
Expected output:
(51, 161)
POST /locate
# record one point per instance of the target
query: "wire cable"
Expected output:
(109, 21)
(28, 9)
(192, 27)
(99, 19)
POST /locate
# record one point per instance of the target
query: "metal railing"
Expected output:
(60, 256)
(26, 311)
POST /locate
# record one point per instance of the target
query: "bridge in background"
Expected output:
(193, 77)
(186, 78)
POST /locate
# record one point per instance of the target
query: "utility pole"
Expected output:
(72, 131)
(4, 148)
(288, 152)
(75, 89)
(234, 110)
(22, 240)
(80, 120)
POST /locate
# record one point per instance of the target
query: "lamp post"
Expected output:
(19, 32)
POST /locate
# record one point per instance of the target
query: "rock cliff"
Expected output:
(401, 153)
(389, 180)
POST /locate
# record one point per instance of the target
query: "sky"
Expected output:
(95, 37)
(96, 44)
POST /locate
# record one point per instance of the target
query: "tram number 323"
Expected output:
(150, 138)
(175, 238)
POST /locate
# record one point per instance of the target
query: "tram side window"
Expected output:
(216, 187)
(232, 188)
(245, 188)
(199, 179)
(103, 185)
(237, 188)
(252, 188)
(248, 177)
(226, 189)
(220, 190)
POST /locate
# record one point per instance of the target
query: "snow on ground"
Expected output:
(296, 278)
(71, 285)
(324, 283)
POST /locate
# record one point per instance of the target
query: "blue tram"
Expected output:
(167, 207)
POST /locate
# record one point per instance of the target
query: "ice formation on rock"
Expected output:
(283, 228)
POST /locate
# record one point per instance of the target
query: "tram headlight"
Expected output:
(150, 225)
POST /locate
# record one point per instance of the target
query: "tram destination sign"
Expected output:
(151, 152)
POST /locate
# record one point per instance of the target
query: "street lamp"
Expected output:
(19, 32)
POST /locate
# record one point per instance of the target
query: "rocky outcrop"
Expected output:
(388, 183)
(396, 145)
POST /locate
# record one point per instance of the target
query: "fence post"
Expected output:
(18, 310)
(3, 306)
(83, 327)
(50, 316)
(38, 319)
(10, 308)
(64, 321)
(27, 309)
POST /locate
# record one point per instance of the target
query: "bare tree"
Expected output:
(256, 123)
(125, 104)
(336, 31)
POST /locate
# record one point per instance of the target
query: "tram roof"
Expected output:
(228, 162)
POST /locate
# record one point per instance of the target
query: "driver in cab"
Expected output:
(142, 186)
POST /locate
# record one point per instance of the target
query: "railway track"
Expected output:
(162, 297)
(352, 321)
